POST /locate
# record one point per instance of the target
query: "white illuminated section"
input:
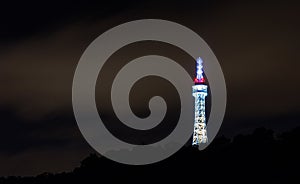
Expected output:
(199, 68)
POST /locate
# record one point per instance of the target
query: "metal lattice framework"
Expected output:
(200, 134)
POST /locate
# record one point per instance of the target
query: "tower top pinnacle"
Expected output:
(199, 79)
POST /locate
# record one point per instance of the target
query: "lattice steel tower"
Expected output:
(199, 92)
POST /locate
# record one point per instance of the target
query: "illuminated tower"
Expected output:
(199, 92)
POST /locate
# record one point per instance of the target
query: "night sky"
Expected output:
(256, 43)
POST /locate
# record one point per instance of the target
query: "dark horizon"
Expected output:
(259, 157)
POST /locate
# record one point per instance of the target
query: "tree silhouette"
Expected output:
(258, 157)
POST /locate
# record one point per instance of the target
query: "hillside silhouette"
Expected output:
(260, 157)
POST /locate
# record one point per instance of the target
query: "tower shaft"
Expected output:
(200, 134)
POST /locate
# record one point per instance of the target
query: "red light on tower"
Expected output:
(199, 81)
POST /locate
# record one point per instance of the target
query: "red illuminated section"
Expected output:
(199, 81)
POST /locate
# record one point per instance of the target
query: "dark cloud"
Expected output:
(25, 19)
(31, 146)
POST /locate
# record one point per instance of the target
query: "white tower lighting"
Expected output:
(199, 92)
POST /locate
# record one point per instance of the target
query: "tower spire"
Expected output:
(199, 79)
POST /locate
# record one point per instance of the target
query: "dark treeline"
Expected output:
(260, 157)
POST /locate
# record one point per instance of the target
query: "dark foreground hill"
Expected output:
(256, 158)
